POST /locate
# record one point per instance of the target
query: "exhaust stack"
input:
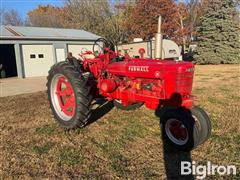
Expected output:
(158, 40)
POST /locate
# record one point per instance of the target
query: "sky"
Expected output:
(24, 6)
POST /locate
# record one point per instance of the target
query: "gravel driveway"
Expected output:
(14, 86)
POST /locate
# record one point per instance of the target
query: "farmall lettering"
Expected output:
(138, 68)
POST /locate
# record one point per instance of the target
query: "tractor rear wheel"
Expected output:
(119, 105)
(185, 129)
(70, 95)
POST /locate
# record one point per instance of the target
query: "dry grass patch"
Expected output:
(119, 144)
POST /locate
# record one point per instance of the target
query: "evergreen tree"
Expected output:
(218, 34)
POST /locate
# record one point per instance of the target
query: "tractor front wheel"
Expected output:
(185, 129)
(70, 95)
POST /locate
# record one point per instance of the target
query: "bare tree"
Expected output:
(193, 15)
(89, 15)
(1, 15)
(196, 9)
(11, 17)
(100, 17)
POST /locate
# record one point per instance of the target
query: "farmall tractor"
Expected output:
(161, 85)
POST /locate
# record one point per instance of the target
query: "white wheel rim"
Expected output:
(176, 131)
(54, 98)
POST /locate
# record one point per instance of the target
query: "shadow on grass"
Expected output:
(173, 157)
(172, 162)
(103, 108)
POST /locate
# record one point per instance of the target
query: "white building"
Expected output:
(170, 49)
(31, 51)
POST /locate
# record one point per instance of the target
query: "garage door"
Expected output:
(37, 59)
(77, 49)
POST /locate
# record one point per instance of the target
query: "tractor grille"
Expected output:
(184, 83)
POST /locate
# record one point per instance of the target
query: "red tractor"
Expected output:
(129, 83)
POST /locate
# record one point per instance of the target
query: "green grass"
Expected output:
(45, 130)
(119, 164)
(43, 149)
(69, 156)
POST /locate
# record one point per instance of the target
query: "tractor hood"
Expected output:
(143, 68)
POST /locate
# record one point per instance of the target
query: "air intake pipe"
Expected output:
(158, 41)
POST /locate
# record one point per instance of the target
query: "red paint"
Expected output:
(178, 131)
(107, 85)
(66, 98)
(141, 52)
(153, 82)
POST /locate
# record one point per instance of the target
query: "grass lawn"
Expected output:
(120, 144)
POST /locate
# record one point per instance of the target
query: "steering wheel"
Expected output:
(102, 43)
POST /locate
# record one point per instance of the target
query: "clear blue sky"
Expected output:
(24, 6)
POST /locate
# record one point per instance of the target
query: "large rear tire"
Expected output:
(185, 129)
(70, 95)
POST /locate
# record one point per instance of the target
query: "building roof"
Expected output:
(20, 32)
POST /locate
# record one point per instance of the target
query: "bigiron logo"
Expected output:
(139, 68)
(202, 171)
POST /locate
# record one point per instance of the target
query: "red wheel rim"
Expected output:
(176, 131)
(65, 96)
